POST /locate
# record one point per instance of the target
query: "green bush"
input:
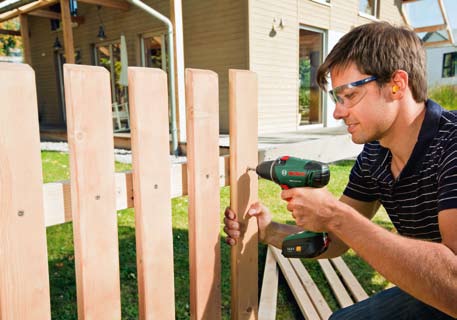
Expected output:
(446, 96)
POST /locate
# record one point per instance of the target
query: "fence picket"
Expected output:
(24, 279)
(243, 191)
(152, 192)
(90, 139)
(202, 103)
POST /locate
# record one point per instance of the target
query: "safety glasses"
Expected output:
(350, 94)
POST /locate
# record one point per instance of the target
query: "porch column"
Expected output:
(176, 20)
(23, 19)
(67, 31)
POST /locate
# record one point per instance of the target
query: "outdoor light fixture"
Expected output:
(101, 29)
(57, 45)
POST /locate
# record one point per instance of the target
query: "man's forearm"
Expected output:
(426, 270)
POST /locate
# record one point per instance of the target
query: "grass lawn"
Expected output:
(61, 254)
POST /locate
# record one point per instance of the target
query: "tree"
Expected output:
(9, 42)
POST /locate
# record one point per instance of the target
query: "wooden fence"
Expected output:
(96, 192)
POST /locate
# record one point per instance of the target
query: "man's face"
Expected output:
(361, 104)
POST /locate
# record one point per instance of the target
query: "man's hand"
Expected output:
(312, 208)
(233, 229)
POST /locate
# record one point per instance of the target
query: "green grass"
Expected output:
(61, 254)
(446, 96)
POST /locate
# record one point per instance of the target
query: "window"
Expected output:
(311, 52)
(369, 7)
(449, 65)
(153, 51)
(108, 55)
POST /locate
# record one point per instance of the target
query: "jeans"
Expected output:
(389, 304)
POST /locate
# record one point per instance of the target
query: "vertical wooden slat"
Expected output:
(90, 138)
(68, 44)
(243, 191)
(24, 280)
(23, 19)
(204, 204)
(148, 98)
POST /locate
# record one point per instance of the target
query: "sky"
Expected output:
(427, 12)
(451, 10)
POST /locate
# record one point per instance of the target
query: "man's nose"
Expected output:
(340, 111)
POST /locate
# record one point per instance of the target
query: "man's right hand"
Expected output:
(233, 229)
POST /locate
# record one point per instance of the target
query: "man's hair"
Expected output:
(379, 49)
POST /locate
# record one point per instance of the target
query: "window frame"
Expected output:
(451, 67)
(375, 10)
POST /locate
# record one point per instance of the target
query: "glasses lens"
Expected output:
(348, 96)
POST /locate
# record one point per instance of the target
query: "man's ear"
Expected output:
(398, 83)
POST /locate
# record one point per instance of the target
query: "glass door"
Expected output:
(310, 105)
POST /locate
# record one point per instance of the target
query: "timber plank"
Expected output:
(148, 100)
(24, 280)
(269, 293)
(311, 288)
(243, 191)
(295, 285)
(349, 279)
(90, 140)
(202, 103)
(335, 283)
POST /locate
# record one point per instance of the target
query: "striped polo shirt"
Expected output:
(427, 183)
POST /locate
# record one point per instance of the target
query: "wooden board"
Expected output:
(202, 102)
(148, 99)
(337, 286)
(301, 297)
(243, 191)
(349, 279)
(269, 293)
(311, 288)
(90, 140)
(24, 280)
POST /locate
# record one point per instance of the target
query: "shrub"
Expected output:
(446, 96)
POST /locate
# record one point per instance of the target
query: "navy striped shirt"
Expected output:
(427, 183)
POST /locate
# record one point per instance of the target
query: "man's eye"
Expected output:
(350, 96)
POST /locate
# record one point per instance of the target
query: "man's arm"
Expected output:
(426, 270)
(366, 209)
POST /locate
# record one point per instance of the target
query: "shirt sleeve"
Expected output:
(447, 175)
(361, 186)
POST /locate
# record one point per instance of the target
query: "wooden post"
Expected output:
(24, 280)
(90, 140)
(178, 36)
(148, 97)
(243, 191)
(23, 20)
(67, 32)
(202, 101)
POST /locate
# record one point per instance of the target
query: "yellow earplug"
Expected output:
(395, 88)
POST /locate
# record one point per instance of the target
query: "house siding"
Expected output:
(275, 59)
(218, 35)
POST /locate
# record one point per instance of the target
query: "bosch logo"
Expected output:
(284, 172)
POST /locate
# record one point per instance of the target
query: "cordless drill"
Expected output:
(291, 172)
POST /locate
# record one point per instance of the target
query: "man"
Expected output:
(408, 164)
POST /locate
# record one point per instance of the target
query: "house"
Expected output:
(282, 41)
(442, 62)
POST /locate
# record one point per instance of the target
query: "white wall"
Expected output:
(435, 66)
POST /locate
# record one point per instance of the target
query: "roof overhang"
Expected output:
(429, 19)
(12, 8)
